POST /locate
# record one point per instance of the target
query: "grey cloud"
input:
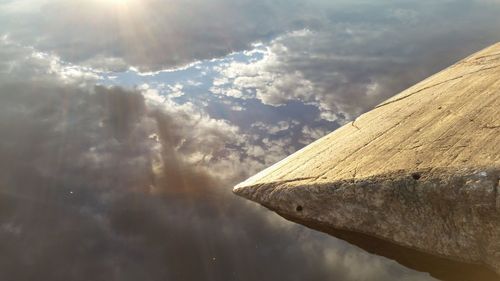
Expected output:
(103, 183)
(150, 34)
(157, 34)
(99, 183)
(77, 176)
(358, 58)
(21, 63)
(80, 199)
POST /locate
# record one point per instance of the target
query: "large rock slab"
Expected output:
(421, 170)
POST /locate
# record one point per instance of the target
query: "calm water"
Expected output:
(124, 125)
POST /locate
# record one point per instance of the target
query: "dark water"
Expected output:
(134, 182)
(68, 214)
(438, 267)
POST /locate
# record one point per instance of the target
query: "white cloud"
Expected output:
(105, 35)
(310, 134)
(272, 129)
(23, 62)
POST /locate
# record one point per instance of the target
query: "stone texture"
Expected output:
(420, 170)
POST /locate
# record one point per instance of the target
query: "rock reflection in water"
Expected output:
(438, 267)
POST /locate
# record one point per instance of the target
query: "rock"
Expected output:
(421, 170)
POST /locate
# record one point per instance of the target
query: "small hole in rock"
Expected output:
(299, 208)
(416, 176)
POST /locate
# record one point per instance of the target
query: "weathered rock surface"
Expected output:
(421, 170)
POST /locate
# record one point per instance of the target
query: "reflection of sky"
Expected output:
(193, 84)
(294, 70)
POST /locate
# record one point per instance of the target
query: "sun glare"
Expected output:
(118, 2)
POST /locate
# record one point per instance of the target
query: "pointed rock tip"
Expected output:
(421, 170)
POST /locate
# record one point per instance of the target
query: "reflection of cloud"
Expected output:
(272, 129)
(104, 183)
(310, 134)
(149, 34)
(157, 34)
(352, 63)
(291, 70)
(18, 62)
